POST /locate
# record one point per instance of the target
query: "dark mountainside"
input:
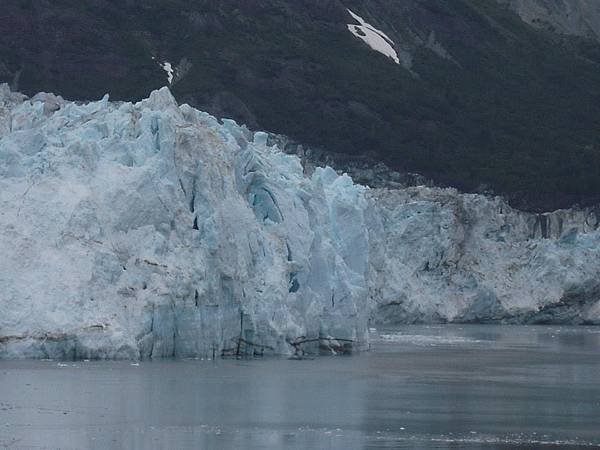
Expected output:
(481, 100)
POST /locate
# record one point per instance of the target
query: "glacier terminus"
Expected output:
(151, 229)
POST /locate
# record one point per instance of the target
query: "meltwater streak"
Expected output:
(421, 387)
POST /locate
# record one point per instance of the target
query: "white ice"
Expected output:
(152, 229)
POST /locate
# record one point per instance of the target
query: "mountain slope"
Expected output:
(575, 17)
(478, 100)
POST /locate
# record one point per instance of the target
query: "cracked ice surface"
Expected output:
(152, 230)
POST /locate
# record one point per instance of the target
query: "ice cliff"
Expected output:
(152, 230)
(440, 256)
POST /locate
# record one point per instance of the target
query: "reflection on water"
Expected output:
(444, 387)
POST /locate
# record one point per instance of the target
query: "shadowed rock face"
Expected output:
(575, 17)
(480, 101)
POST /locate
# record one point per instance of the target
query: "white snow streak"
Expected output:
(169, 69)
(374, 38)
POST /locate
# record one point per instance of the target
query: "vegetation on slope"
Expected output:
(514, 110)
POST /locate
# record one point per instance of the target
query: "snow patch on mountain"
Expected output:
(167, 67)
(373, 37)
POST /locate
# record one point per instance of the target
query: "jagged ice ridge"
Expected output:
(151, 230)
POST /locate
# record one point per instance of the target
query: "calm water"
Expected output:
(441, 387)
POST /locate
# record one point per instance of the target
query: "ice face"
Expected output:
(152, 230)
(442, 256)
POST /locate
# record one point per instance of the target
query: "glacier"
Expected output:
(441, 256)
(151, 229)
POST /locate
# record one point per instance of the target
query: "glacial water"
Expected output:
(420, 387)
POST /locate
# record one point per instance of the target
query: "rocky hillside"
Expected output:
(463, 92)
(574, 17)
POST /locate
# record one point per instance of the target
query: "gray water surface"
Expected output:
(421, 387)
